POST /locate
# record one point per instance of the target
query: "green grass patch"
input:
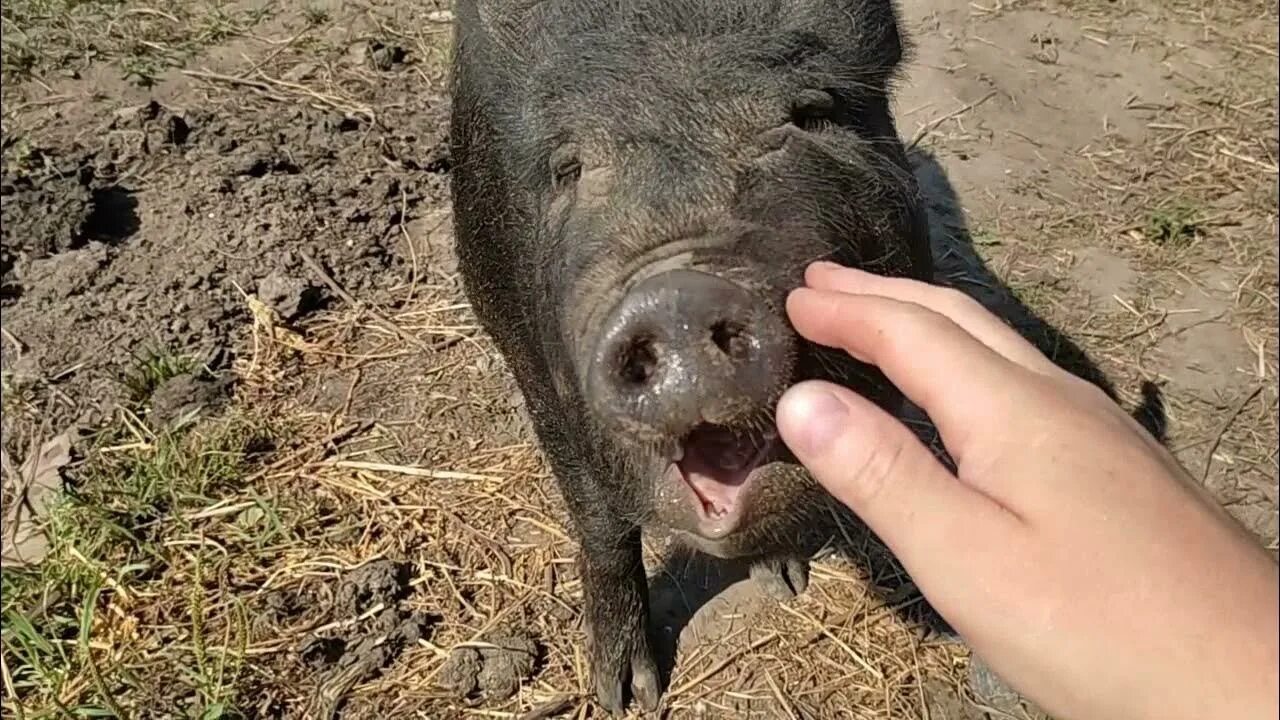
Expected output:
(152, 368)
(128, 540)
(1175, 224)
(315, 14)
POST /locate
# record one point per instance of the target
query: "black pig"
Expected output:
(636, 186)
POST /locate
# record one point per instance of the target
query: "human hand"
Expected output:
(1070, 549)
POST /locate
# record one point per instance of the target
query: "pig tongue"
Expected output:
(716, 464)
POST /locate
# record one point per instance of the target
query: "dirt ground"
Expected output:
(299, 482)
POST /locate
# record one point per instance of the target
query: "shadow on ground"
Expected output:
(689, 591)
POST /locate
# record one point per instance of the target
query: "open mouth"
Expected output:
(717, 463)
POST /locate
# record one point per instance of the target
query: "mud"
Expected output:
(186, 398)
(378, 628)
(147, 234)
(493, 668)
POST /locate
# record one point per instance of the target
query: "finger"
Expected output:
(872, 463)
(959, 307)
(960, 382)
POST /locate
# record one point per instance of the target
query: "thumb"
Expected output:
(872, 463)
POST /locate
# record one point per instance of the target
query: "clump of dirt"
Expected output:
(370, 645)
(185, 397)
(382, 640)
(49, 232)
(493, 668)
(58, 202)
(289, 296)
(379, 582)
(150, 231)
(384, 57)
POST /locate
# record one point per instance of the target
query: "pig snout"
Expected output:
(685, 347)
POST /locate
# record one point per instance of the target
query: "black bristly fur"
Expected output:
(590, 137)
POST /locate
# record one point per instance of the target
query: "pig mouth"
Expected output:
(717, 464)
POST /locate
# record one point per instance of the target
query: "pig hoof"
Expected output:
(782, 579)
(646, 688)
(645, 685)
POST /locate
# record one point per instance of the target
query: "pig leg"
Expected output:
(617, 612)
(614, 586)
(782, 577)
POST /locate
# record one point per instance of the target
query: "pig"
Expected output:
(636, 186)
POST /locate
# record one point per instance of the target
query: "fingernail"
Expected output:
(810, 417)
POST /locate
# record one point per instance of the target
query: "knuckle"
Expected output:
(1083, 391)
(953, 302)
(881, 462)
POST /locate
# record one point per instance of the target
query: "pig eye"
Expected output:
(813, 109)
(566, 168)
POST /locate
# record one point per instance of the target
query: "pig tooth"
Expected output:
(677, 452)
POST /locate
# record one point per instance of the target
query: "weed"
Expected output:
(19, 59)
(112, 542)
(1175, 224)
(141, 68)
(24, 156)
(216, 26)
(16, 390)
(153, 367)
(315, 15)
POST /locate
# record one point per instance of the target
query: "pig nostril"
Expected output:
(732, 339)
(637, 360)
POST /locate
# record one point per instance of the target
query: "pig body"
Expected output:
(636, 186)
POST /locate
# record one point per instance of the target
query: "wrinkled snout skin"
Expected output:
(637, 185)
